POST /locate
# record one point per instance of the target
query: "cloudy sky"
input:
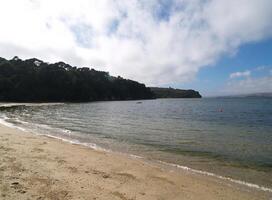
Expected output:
(215, 46)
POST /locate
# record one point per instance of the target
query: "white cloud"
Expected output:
(257, 80)
(248, 86)
(260, 68)
(240, 74)
(142, 40)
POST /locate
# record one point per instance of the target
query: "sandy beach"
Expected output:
(38, 167)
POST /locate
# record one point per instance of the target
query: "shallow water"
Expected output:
(227, 136)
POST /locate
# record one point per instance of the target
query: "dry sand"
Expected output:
(37, 167)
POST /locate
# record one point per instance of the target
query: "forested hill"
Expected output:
(33, 80)
(174, 93)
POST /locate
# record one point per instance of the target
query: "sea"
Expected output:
(230, 138)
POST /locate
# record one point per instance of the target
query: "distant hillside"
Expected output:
(174, 93)
(264, 94)
(34, 80)
(250, 95)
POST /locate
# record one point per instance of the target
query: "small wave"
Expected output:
(42, 126)
(252, 185)
(135, 156)
(3, 121)
(10, 107)
(30, 104)
(62, 139)
(13, 106)
(65, 131)
(73, 141)
(18, 121)
(94, 146)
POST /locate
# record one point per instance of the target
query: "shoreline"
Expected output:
(132, 178)
(164, 164)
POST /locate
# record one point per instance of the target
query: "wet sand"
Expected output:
(37, 167)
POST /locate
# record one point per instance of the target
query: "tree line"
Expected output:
(174, 93)
(33, 80)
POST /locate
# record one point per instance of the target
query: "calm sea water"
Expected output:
(231, 137)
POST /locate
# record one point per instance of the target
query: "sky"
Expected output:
(218, 47)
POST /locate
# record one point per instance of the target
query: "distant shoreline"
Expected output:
(40, 81)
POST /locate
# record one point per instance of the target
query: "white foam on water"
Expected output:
(43, 126)
(3, 121)
(62, 139)
(65, 131)
(251, 185)
(95, 147)
(72, 141)
(135, 156)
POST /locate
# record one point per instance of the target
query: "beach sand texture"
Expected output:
(37, 167)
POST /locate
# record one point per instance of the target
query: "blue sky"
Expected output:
(255, 57)
(218, 47)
